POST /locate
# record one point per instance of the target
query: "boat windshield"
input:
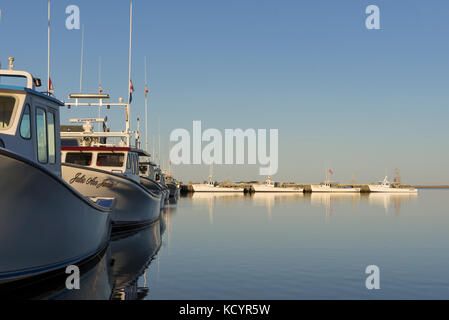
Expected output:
(82, 159)
(7, 104)
(110, 159)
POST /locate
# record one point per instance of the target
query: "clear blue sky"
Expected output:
(359, 101)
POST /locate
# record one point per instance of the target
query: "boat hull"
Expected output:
(135, 205)
(263, 188)
(381, 189)
(174, 191)
(208, 188)
(156, 187)
(318, 188)
(45, 224)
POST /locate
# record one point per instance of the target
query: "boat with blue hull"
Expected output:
(46, 224)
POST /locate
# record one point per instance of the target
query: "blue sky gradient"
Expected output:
(359, 101)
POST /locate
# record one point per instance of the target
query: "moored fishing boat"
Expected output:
(328, 186)
(212, 186)
(150, 177)
(46, 224)
(173, 187)
(105, 164)
(270, 186)
(386, 187)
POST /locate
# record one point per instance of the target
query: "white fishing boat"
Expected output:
(386, 187)
(212, 186)
(270, 186)
(46, 224)
(328, 186)
(106, 164)
(151, 177)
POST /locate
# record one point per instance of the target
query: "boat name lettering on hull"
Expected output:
(91, 181)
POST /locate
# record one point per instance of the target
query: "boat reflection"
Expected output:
(95, 283)
(387, 200)
(208, 199)
(270, 200)
(328, 200)
(132, 255)
(113, 274)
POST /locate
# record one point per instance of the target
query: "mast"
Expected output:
(82, 58)
(129, 64)
(99, 87)
(146, 107)
(159, 131)
(48, 50)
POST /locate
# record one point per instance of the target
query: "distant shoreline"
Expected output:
(432, 187)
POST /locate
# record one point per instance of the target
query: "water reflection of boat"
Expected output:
(270, 200)
(386, 199)
(132, 255)
(327, 198)
(206, 197)
(95, 283)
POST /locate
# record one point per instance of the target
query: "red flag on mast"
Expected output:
(146, 91)
(50, 85)
(330, 171)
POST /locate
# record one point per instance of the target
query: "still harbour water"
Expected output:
(314, 246)
(271, 246)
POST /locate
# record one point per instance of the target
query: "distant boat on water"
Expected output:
(327, 186)
(270, 186)
(211, 186)
(386, 187)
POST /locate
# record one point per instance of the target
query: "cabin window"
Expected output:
(6, 111)
(82, 159)
(135, 171)
(110, 159)
(51, 137)
(41, 134)
(25, 124)
(128, 162)
(143, 170)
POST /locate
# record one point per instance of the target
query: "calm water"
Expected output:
(282, 247)
(299, 247)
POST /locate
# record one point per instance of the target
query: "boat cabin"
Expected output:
(119, 160)
(269, 183)
(150, 170)
(29, 120)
